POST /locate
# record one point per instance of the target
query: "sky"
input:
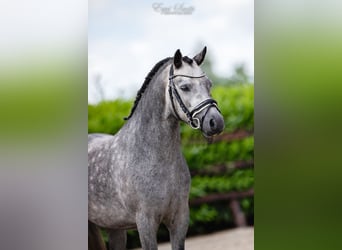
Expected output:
(126, 39)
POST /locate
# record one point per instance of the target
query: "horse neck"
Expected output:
(151, 122)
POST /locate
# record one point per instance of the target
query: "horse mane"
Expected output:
(147, 81)
(187, 59)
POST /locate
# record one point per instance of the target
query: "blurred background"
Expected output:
(126, 41)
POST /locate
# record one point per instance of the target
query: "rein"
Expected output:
(194, 122)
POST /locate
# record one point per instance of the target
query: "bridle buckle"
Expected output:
(193, 124)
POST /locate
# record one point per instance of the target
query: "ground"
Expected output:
(235, 239)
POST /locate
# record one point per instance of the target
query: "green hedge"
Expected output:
(237, 106)
(107, 117)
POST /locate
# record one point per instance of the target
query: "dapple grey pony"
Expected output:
(138, 178)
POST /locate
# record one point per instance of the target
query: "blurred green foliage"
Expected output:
(236, 103)
(41, 104)
(204, 155)
(107, 116)
(238, 181)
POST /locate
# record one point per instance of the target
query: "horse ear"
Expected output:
(200, 56)
(177, 59)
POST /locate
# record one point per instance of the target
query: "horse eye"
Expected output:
(185, 87)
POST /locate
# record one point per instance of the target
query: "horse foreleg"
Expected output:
(147, 228)
(178, 227)
(95, 241)
(117, 239)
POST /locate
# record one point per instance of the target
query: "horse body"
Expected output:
(122, 184)
(138, 178)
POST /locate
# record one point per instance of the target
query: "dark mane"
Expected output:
(148, 79)
(187, 59)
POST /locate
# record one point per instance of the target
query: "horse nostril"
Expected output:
(212, 124)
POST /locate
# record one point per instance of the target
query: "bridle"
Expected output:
(194, 122)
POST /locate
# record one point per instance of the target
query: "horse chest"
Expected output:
(159, 183)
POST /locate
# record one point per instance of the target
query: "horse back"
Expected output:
(92, 137)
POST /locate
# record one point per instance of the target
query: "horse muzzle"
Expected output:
(212, 122)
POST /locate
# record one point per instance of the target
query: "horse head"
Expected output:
(189, 92)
